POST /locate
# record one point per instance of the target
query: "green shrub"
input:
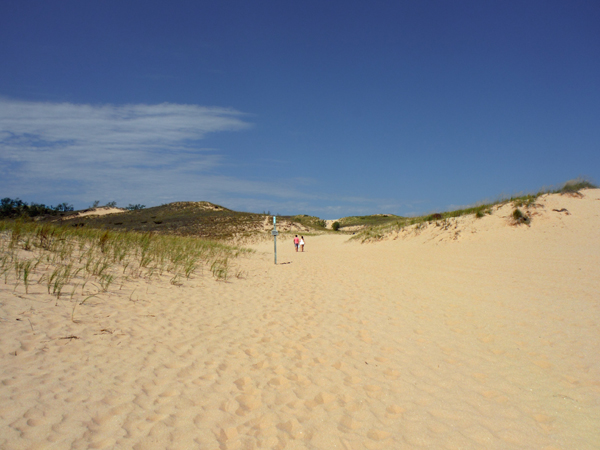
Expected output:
(335, 226)
(520, 217)
(135, 207)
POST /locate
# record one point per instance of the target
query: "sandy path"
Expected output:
(472, 346)
(490, 342)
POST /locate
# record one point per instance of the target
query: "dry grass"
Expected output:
(82, 263)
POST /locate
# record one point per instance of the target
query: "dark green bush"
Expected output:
(10, 208)
(135, 207)
(520, 217)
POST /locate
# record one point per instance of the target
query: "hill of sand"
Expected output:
(99, 211)
(549, 214)
(487, 340)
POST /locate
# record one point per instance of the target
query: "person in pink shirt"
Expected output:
(296, 242)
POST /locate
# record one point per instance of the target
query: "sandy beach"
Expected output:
(468, 335)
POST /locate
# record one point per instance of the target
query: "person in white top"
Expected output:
(302, 243)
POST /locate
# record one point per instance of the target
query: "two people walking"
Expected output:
(299, 243)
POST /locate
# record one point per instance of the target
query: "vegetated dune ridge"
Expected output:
(490, 340)
(200, 219)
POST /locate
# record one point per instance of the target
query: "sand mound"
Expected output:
(100, 211)
(284, 225)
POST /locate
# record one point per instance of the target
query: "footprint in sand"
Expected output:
(545, 422)
(247, 404)
(395, 410)
(244, 383)
(293, 428)
(349, 424)
(229, 406)
(373, 391)
(261, 364)
(391, 374)
(278, 381)
(378, 435)
(339, 365)
(279, 370)
(227, 436)
(300, 379)
(324, 398)
(352, 380)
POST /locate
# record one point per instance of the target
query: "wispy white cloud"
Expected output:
(116, 126)
(150, 154)
(85, 150)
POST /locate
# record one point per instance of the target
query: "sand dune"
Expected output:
(99, 211)
(488, 338)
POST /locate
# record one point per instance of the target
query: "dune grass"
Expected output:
(372, 220)
(378, 232)
(86, 262)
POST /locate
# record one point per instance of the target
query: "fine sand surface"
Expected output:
(99, 211)
(486, 341)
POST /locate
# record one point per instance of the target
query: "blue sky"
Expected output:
(325, 108)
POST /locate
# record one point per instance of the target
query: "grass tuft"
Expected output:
(576, 185)
(520, 217)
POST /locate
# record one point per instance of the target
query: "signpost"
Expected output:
(275, 233)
